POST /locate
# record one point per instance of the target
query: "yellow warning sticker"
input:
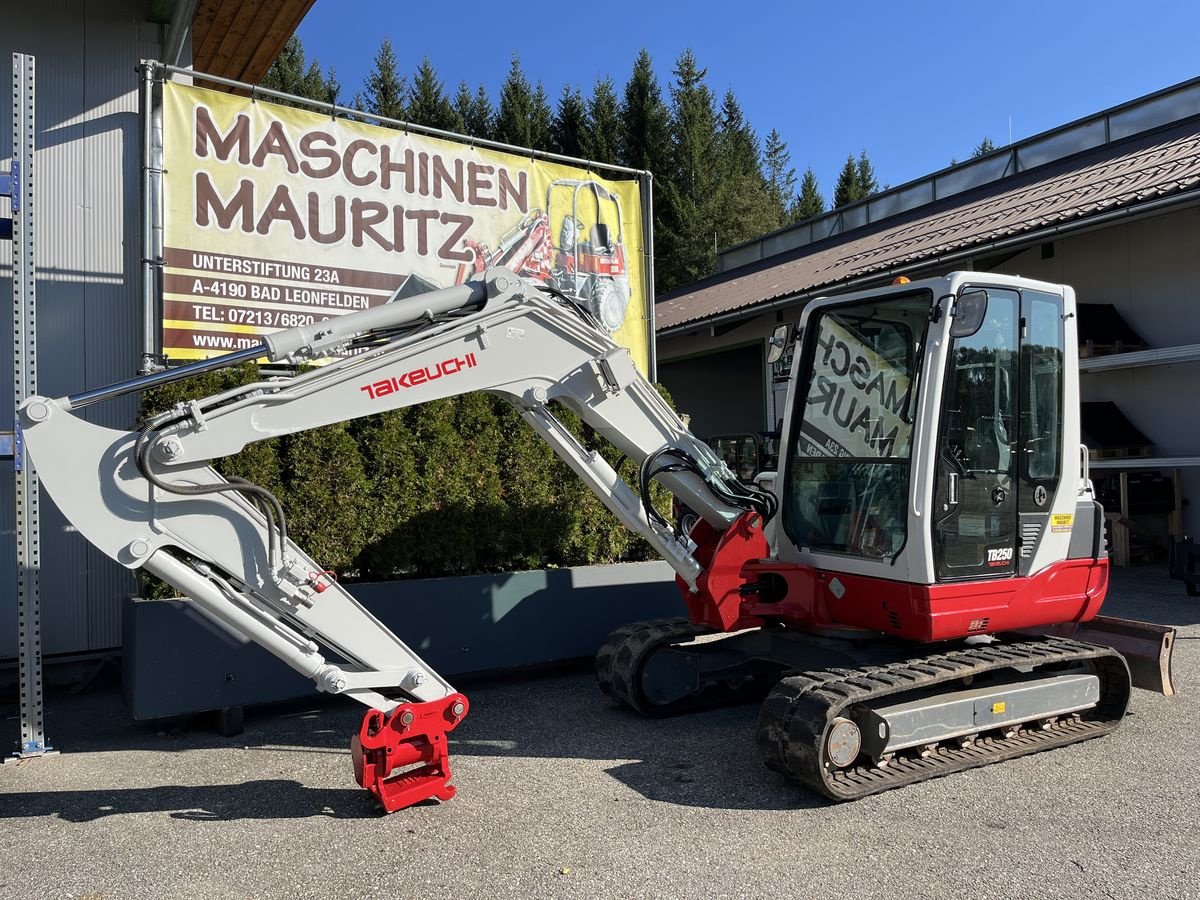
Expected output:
(998, 708)
(1062, 521)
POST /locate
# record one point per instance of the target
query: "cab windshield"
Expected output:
(847, 482)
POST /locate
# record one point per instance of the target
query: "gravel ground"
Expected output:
(562, 794)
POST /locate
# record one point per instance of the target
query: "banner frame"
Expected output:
(154, 73)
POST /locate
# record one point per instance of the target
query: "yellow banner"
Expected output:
(276, 217)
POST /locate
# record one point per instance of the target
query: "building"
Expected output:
(1109, 204)
(89, 234)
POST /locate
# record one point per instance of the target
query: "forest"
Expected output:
(716, 183)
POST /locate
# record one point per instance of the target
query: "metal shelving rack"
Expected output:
(1156, 356)
(18, 185)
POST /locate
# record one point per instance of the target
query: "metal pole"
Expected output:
(29, 620)
(647, 186)
(149, 317)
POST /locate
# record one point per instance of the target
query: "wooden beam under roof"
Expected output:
(239, 39)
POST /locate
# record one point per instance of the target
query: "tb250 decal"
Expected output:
(999, 556)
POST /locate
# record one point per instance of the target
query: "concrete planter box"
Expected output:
(177, 663)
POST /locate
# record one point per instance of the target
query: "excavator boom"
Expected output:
(153, 500)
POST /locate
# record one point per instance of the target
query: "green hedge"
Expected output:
(452, 487)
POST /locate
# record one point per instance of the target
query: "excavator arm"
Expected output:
(152, 500)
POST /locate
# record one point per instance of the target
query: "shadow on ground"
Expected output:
(706, 759)
(276, 799)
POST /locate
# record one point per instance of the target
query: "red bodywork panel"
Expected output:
(726, 557)
(1067, 591)
(600, 262)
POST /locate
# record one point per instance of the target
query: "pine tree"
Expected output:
(780, 176)
(427, 101)
(515, 116)
(808, 202)
(847, 189)
(475, 110)
(570, 125)
(287, 72)
(867, 182)
(744, 196)
(291, 74)
(983, 149)
(541, 121)
(688, 242)
(385, 87)
(604, 121)
(737, 143)
(330, 87)
(645, 140)
(524, 117)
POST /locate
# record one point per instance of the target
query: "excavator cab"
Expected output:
(932, 439)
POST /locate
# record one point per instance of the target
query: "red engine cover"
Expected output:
(1068, 591)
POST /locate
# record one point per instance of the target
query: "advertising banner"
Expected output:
(276, 217)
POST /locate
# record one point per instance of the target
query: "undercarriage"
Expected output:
(853, 714)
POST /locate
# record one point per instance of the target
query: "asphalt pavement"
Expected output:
(563, 794)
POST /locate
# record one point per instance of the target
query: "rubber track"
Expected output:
(797, 715)
(619, 662)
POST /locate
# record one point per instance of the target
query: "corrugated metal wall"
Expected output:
(87, 255)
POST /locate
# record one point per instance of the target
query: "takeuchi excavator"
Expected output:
(916, 594)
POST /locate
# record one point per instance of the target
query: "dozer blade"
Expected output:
(1147, 648)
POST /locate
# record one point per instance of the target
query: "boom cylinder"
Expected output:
(312, 341)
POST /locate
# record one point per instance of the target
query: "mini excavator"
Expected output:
(915, 593)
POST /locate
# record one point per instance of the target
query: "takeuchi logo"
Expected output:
(451, 366)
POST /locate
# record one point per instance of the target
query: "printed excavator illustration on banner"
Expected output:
(588, 261)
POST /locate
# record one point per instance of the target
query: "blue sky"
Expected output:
(915, 84)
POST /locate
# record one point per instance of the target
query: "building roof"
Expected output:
(1121, 175)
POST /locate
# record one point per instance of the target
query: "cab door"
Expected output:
(1040, 465)
(975, 499)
